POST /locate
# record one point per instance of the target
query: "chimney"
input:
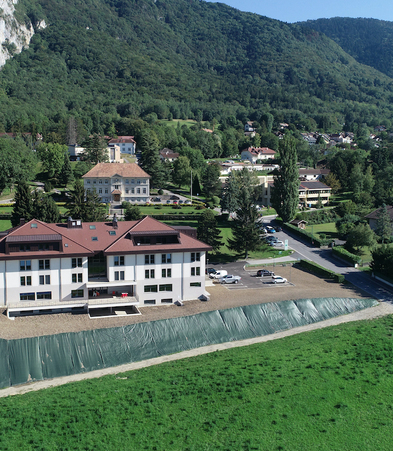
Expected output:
(114, 221)
(22, 221)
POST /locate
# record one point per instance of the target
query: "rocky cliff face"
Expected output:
(14, 36)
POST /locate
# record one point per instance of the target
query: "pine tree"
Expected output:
(285, 195)
(45, 208)
(384, 224)
(211, 180)
(207, 230)
(132, 213)
(23, 205)
(245, 229)
(95, 150)
(94, 209)
(66, 175)
(77, 201)
(150, 158)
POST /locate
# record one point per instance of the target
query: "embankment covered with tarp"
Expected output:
(38, 358)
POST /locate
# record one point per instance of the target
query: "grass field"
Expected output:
(329, 229)
(330, 389)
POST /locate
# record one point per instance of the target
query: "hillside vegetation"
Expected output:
(106, 59)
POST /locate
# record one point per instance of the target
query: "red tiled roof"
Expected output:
(122, 139)
(112, 169)
(260, 151)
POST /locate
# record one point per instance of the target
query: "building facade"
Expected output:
(127, 144)
(118, 182)
(62, 266)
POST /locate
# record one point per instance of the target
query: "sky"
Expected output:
(301, 10)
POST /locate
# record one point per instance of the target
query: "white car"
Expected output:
(230, 279)
(279, 279)
(218, 274)
(276, 243)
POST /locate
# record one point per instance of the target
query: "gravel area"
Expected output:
(303, 285)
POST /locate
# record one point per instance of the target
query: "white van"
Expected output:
(218, 274)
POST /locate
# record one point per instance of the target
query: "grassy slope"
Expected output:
(329, 389)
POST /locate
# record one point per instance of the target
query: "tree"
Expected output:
(360, 235)
(384, 224)
(345, 224)
(181, 174)
(237, 182)
(45, 208)
(382, 260)
(211, 180)
(77, 201)
(94, 209)
(244, 227)
(207, 230)
(95, 150)
(132, 212)
(150, 158)
(23, 204)
(285, 194)
(332, 181)
(66, 175)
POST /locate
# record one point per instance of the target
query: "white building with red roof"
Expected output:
(253, 154)
(99, 266)
(127, 144)
(118, 182)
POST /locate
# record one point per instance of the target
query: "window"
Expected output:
(195, 256)
(138, 182)
(150, 301)
(106, 191)
(76, 263)
(43, 247)
(196, 271)
(77, 293)
(117, 187)
(149, 259)
(166, 287)
(43, 264)
(94, 238)
(127, 182)
(119, 260)
(100, 191)
(112, 232)
(138, 191)
(27, 296)
(25, 265)
(132, 181)
(25, 280)
(150, 288)
(149, 274)
(88, 182)
(132, 191)
(24, 247)
(166, 272)
(127, 190)
(77, 278)
(106, 181)
(45, 280)
(166, 258)
(44, 295)
(144, 190)
(94, 182)
(119, 275)
(166, 301)
(195, 284)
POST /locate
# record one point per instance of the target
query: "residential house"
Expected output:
(127, 144)
(99, 265)
(253, 154)
(168, 155)
(373, 216)
(249, 127)
(312, 174)
(313, 191)
(118, 182)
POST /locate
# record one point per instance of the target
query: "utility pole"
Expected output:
(191, 186)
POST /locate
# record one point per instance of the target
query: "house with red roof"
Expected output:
(99, 267)
(127, 144)
(118, 182)
(253, 154)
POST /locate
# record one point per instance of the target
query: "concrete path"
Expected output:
(366, 314)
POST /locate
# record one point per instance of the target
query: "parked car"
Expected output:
(271, 239)
(270, 229)
(218, 274)
(210, 271)
(168, 201)
(264, 273)
(181, 201)
(278, 228)
(230, 279)
(277, 243)
(279, 279)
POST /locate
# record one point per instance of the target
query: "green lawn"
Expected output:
(325, 390)
(329, 229)
(174, 122)
(5, 224)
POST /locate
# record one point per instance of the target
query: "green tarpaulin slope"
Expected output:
(37, 358)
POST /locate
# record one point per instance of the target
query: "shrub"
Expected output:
(160, 192)
(341, 252)
(320, 270)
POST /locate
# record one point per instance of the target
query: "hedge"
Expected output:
(307, 235)
(320, 270)
(171, 217)
(341, 252)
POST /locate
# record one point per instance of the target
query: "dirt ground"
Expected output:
(303, 285)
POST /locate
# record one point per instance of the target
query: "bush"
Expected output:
(320, 270)
(341, 252)
(160, 192)
(158, 207)
(200, 207)
(308, 236)
(47, 187)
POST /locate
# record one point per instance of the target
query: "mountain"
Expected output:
(369, 41)
(99, 60)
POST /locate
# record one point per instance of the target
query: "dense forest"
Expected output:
(369, 41)
(99, 61)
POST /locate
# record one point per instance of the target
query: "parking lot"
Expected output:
(250, 280)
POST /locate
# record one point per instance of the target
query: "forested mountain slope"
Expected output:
(98, 60)
(369, 41)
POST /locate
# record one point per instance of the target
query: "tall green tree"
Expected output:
(245, 231)
(45, 208)
(23, 204)
(77, 201)
(66, 176)
(52, 157)
(93, 209)
(181, 174)
(382, 260)
(95, 150)
(384, 224)
(360, 236)
(150, 158)
(207, 230)
(132, 212)
(211, 180)
(285, 195)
